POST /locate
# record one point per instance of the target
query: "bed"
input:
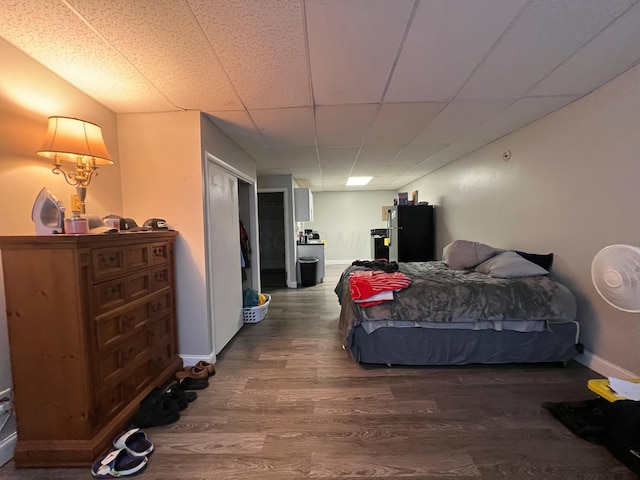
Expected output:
(479, 305)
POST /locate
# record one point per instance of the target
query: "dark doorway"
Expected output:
(273, 272)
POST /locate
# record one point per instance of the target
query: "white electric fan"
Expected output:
(615, 272)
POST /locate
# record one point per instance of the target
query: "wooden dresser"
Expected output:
(92, 329)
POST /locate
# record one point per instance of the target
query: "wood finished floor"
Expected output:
(287, 403)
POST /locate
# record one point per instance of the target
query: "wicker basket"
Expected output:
(256, 314)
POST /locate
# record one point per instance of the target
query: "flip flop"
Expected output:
(118, 463)
(135, 442)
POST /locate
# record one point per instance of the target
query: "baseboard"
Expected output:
(189, 360)
(603, 367)
(338, 262)
(7, 447)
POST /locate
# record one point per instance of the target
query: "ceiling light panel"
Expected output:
(557, 29)
(446, 41)
(261, 46)
(55, 36)
(343, 125)
(352, 46)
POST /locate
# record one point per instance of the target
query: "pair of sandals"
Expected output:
(130, 456)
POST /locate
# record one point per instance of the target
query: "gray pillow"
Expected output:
(463, 254)
(510, 265)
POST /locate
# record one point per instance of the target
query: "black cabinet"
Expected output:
(412, 233)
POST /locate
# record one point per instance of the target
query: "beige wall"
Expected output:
(162, 156)
(345, 220)
(571, 188)
(29, 93)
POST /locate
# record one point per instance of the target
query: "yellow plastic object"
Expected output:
(262, 299)
(601, 387)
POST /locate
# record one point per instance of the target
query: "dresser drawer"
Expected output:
(111, 262)
(115, 326)
(112, 294)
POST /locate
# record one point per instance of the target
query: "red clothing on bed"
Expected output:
(364, 284)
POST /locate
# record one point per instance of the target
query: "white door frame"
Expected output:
(208, 159)
(288, 234)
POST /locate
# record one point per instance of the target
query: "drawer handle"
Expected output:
(159, 252)
(156, 307)
(110, 261)
(160, 276)
(128, 321)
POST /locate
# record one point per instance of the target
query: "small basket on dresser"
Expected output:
(256, 314)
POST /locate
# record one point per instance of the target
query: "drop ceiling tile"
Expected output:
(338, 156)
(447, 40)
(162, 40)
(458, 119)
(52, 34)
(593, 65)
(261, 45)
(352, 47)
(516, 116)
(557, 29)
(399, 123)
(377, 155)
(299, 157)
(335, 171)
(306, 172)
(273, 171)
(343, 125)
(414, 154)
(334, 181)
(285, 128)
(310, 182)
(454, 152)
(427, 167)
(367, 170)
(238, 126)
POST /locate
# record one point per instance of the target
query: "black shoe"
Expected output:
(192, 384)
(153, 413)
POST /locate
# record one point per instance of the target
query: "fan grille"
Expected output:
(615, 272)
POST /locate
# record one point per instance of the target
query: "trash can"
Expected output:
(308, 270)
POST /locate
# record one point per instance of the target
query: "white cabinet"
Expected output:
(303, 199)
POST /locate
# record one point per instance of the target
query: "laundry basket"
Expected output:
(256, 314)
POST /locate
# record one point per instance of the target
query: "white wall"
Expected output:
(571, 188)
(345, 220)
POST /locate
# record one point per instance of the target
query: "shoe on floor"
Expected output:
(192, 384)
(210, 367)
(135, 442)
(155, 413)
(118, 463)
(193, 372)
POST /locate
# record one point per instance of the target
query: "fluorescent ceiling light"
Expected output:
(351, 181)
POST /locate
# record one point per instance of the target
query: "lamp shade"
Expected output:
(68, 138)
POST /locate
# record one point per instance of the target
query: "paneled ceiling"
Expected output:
(325, 89)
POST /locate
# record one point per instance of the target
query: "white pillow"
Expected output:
(463, 254)
(510, 265)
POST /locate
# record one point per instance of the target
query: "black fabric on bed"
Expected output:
(545, 261)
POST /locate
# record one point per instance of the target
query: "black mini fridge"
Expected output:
(411, 233)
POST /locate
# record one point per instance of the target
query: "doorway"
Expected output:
(271, 212)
